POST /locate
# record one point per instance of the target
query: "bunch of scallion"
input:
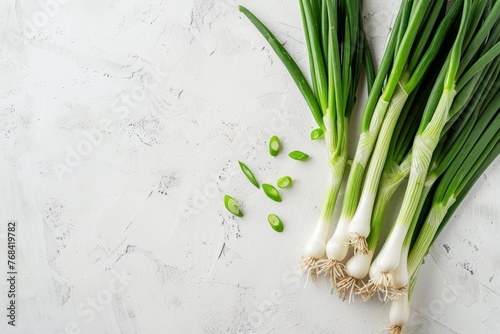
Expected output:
(432, 116)
(384, 151)
(470, 58)
(337, 50)
(413, 46)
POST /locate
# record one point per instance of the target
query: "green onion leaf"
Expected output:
(232, 206)
(274, 146)
(317, 134)
(271, 192)
(290, 65)
(275, 222)
(297, 155)
(248, 173)
(284, 182)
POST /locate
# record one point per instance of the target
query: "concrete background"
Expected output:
(121, 123)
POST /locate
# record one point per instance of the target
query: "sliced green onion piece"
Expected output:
(274, 146)
(271, 192)
(275, 222)
(297, 155)
(232, 206)
(317, 134)
(248, 173)
(284, 182)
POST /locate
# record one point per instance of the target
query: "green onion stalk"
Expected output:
(343, 46)
(383, 101)
(475, 148)
(417, 66)
(458, 146)
(461, 139)
(481, 148)
(337, 246)
(475, 145)
(396, 169)
(474, 97)
(337, 49)
(389, 270)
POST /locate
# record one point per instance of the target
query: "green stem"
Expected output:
(373, 98)
(389, 183)
(404, 49)
(317, 56)
(291, 66)
(384, 139)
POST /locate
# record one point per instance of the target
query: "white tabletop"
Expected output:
(121, 125)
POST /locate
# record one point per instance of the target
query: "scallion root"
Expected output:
(367, 291)
(381, 284)
(396, 329)
(310, 266)
(359, 244)
(400, 292)
(334, 270)
(349, 284)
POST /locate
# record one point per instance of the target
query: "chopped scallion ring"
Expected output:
(275, 222)
(232, 206)
(284, 182)
(297, 155)
(248, 173)
(317, 134)
(274, 146)
(271, 192)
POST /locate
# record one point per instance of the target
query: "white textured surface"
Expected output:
(173, 93)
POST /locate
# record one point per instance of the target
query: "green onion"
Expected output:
(298, 155)
(396, 169)
(474, 147)
(284, 182)
(337, 246)
(432, 116)
(274, 146)
(359, 227)
(275, 223)
(464, 156)
(337, 49)
(426, 140)
(454, 162)
(317, 134)
(480, 148)
(232, 206)
(385, 103)
(271, 192)
(249, 174)
(346, 53)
